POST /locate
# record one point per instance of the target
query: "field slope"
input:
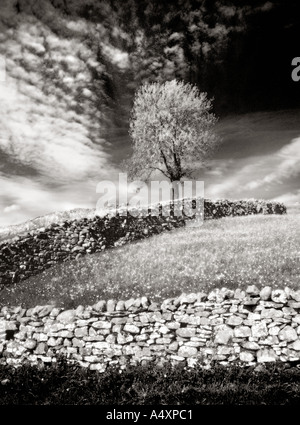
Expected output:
(229, 252)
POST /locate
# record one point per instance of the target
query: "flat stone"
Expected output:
(101, 324)
(78, 342)
(186, 351)
(30, 344)
(67, 316)
(266, 355)
(133, 329)
(242, 331)
(53, 342)
(251, 345)
(269, 340)
(274, 330)
(234, 321)
(101, 345)
(80, 332)
(271, 313)
(186, 332)
(295, 345)
(288, 334)
(189, 299)
(172, 325)
(246, 356)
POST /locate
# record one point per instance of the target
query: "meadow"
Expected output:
(229, 252)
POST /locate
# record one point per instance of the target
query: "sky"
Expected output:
(59, 139)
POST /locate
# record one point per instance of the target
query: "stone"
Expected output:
(110, 306)
(100, 306)
(124, 339)
(271, 313)
(295, 345)
(251, 345)
(295, 295)
(78, 342)
(259, 330)
(186, 332)
(252, 290)
(145, 302)
(45, 311)
(79, 310)
(189, 299)
(163, 330)
(101, 324)
(242, 331)
(52, 342)
(279, 296)
(228, 293)
(295, 305)
(246, 356)
(274, 330)
(173, 346)
(251, 302)
(41, 348)
(30, 344)
(265, 293)
(296, 319)
(186, 351)
(80, 332)
(266, 355)
(288, 334)
(133, 329)
(234, 321)
(120, 306)
(67, 316)
(269, 340)
(223, 334)
(224, 350)
(239, 294)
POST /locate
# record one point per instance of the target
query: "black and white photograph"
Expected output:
(149, 206)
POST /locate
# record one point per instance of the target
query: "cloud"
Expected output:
(49, 117)
(287, 165)
(23, 199)
(11, 208)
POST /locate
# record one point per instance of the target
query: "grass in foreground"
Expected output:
(230, 252)
(63, 384)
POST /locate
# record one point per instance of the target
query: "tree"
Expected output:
(171, 126)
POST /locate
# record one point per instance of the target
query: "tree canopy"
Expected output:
(171, 127)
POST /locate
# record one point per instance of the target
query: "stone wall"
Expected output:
(224, 326)
(27, 255)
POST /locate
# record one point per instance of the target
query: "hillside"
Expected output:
(230, 252)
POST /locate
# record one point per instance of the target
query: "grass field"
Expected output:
(230, 252)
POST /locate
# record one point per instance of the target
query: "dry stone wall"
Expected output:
(27, 255)
(247, 327)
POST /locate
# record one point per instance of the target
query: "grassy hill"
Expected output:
(231, 252)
